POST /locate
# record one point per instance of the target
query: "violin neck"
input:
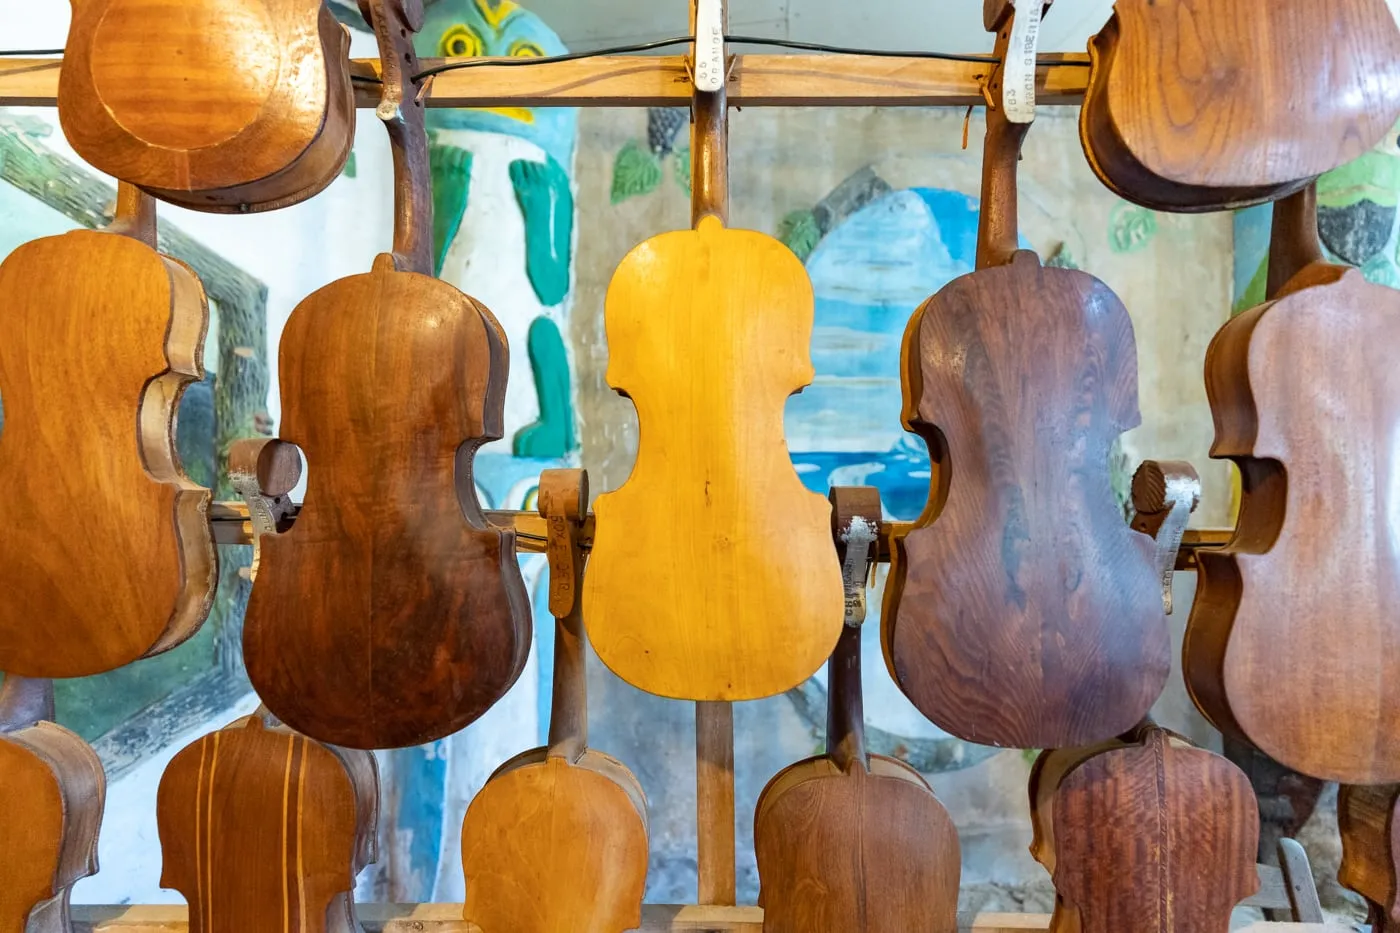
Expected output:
(135, 214)
(568, 715)
(25, 701)
(1293, 244)
(845, 709)
(998, 236)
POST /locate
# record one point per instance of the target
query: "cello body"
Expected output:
(1203, 105)
(107, 541)
(265, 829)
(165, 100)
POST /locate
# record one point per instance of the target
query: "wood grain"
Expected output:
(107, 541)
(686, 596)
(1148, 835)
(846, 840)
(237, 106)
(556, 842)
(1023, 611)
(50, 809)
(1370, 844)
(1305, 594)
(393, 613)
(264, 829)
(1184, 116)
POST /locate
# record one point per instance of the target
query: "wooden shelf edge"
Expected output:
(656, 918)
(662, 80)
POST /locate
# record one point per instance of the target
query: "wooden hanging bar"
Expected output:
(664, 81)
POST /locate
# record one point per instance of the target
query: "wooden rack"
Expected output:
(664, 81)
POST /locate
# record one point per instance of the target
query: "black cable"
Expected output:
(553, 59)
(874, 53)
(29, 53)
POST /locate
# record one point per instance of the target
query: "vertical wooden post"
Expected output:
(714, 722)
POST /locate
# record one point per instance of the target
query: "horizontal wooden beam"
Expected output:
(231, 526)
(656, 918)
(662, 81)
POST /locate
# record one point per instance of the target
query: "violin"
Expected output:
(1023, 611)
(1293, 643)
(107, 541)
(50, 811)
(711, 576)
(1204, 105)
(227, 106)
(265, 829)
(557, 839)
(848, 840)
(1125, 826)
(392, 613)
(1370, 854)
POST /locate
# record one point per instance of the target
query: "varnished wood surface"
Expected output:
(1208, 104)
(1023, 611)
(1306, 594)
(686, 596)
(1149, 836)
(392, 613)
(156, 92)
(662, 81)
(850, 841)
(556, 842)
(264, 829)
(52, 791)
(106, 540)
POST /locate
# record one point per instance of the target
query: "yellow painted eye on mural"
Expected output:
(523, 49)
(461, 41)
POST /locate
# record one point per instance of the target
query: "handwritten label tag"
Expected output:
(859, 539)
(1018, 72)
(709, 46)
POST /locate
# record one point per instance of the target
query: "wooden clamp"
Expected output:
(264, 471)
(1165, 494)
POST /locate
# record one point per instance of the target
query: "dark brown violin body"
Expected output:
(1294, 639)
(1203, 105)
(1023, 611)
(1371, 850)
(393, 613)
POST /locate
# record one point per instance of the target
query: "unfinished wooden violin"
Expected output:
(1371, 850)
(392, 613)
(711, 575)
(107, 554)
(52, 791)
(847, 840)
(265, 829)
(1202, 105)
(217, 105)
(1143, 834)
(1023, 611)
(1294, 639)
(556, 842)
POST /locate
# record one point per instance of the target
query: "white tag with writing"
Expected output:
(709, 46)
(1018, 71)
(859, 540)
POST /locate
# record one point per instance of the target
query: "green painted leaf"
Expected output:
(1373, 177)
(452, 178)
(351, 170)
(1381, 271)
(1130, 228)
(1062, 258)
(1254, 294)
(636, 171)
(800, 232)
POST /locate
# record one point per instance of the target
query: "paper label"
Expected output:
(859, 540)
(709, 46)
(1018, 71)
